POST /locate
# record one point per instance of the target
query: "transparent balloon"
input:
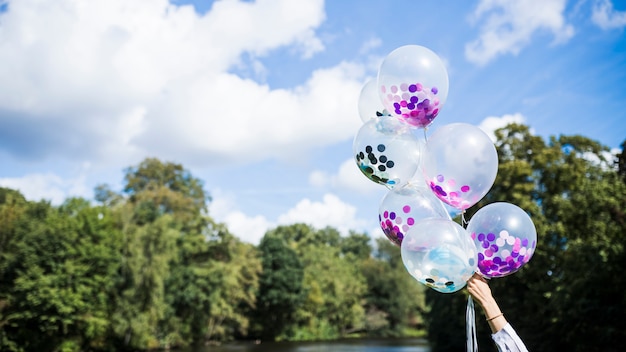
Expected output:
(370, 105)
(505, 238)
(403, 206)
(440, 254)
(413, 84)
(386, 151)
(460, 164)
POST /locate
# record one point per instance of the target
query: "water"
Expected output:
(352, 345)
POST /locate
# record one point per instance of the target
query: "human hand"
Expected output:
(478, 287)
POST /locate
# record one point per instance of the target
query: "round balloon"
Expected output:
(460, 164)
(386, 151)
(440, 254)
(413, 84)
(505, 238)
(404, 206)
(370, 105)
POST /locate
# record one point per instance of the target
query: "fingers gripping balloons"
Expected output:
(460, 164)
(505, 238)
(386, 151)
(413, 84)
(440, 254)
(403, 206)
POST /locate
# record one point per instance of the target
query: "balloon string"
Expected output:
(425, 137)
(470, 326)
(463, 221)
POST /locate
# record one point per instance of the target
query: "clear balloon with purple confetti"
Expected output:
(413, 84)
(404, 206)
(505, 238)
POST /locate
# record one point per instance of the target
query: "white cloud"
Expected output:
(249, 229)
(606, 17)
(227, 118)
(507, 26)
(117, 79)
(492, 123)
(48, 186)
(607, 160)
(331, 211)
(223, 208)
(348, 177)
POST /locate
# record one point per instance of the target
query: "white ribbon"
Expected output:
(470, 323)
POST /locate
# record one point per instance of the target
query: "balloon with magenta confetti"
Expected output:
(370, 105)
(413, 84)
(404, 206)
(505, 238)
(460, 164)
(440, 254)
(386, 151)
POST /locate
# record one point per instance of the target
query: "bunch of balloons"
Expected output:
(455, 166)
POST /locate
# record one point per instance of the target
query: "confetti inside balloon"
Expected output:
(413, 84)
(440, 254)
(505, 238)
(460, 164)
(403, 206)
(386, 151)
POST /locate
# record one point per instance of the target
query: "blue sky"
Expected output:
(259, 98)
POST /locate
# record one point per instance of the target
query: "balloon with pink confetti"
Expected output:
(403, 206)
(460, 164)
(413, 84)
(505, 238)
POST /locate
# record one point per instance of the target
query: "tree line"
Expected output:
(148, 268)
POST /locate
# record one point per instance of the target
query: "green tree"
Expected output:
(559, 299)
(280, 288)
(584, 202)
(58, 284)
(621, 162)
(392, 294)
(335, 290)
(333, 285)
(358, 244)
(162, 219)
(236, 272)
(148, 269)
(140, 303)
(169, 186)
(13, 217)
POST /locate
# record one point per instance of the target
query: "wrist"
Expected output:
(490, 318)
(491, 309)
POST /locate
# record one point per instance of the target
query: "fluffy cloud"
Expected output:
(492, 123)
(223, 208)
(48, 187)
(247, 228)
(507, 26)
(225, 118)
(114, 79)
(348, 177)
(606, 17)
(330, 211)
